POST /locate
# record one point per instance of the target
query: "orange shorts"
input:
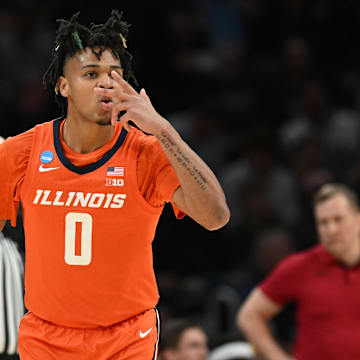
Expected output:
(136, 338)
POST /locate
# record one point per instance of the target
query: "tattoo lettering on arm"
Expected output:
(180, 157)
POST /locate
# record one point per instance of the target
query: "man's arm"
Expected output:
(200, 195)
(253, 318)
(2, 224)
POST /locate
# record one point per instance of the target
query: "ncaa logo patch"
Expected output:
(46, 157)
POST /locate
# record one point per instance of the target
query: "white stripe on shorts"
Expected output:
(158, 330)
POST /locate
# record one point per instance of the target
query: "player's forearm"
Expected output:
(202, 191)
(259, 335)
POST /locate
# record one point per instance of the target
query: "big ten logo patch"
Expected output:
(114, 182)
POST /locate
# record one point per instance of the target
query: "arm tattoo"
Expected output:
(181, 158)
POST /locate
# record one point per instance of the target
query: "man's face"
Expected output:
(82, 74)
(338, 226)
(192, 345)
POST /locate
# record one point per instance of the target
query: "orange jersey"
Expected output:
(88, 229)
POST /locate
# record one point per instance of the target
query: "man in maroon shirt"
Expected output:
(323, 282)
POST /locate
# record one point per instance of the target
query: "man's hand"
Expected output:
(137, 106)
(199, 195)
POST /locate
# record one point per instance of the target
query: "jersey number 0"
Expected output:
(85, 220)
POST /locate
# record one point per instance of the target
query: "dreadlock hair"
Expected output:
(72, 37)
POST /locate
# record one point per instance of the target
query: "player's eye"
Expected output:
(90, 74)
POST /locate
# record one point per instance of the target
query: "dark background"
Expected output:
(267, 92)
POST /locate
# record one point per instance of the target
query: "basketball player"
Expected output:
(92, 190)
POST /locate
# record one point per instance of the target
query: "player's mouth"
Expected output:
(106, 103)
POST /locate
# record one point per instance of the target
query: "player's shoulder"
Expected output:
(146, 139)
(20, 144)
(149, 144)
(26, 137)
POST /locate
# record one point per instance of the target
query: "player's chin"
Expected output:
(105, 121)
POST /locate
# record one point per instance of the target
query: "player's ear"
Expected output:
(63, 86)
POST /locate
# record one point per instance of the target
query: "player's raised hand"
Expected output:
(137, 106)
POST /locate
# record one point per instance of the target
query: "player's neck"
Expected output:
(86, 137)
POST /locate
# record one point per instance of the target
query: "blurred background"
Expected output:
(267, 92)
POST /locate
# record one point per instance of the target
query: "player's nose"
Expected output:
(105, 82)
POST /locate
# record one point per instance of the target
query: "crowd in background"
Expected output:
(267, 92)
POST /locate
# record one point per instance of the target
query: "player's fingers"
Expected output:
(113, 94)
(125, 122)
(144, 95)
(124, 84)
(116, 111)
